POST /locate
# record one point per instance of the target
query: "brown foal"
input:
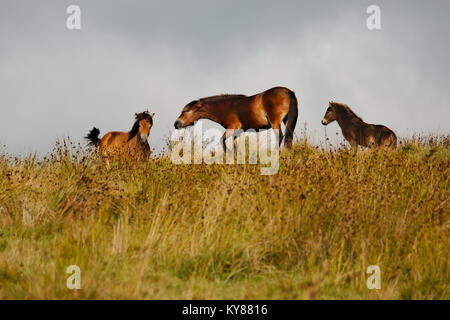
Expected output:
(356, 131)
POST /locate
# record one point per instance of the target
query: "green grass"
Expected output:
(156, 230)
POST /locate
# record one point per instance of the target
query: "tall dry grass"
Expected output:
(156, 230)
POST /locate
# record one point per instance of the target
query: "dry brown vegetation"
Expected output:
(156, 230)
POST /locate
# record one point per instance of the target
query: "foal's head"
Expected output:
(142, 126)
(330, 115)
(190, 113)
(339, 110)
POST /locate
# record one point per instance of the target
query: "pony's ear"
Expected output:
(331, 102)
(152, 115)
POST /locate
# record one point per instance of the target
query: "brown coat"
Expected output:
(356, 131)
(235, 112)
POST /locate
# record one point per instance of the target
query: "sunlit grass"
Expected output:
(156, 230)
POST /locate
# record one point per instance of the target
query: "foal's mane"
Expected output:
(347, 109)
(135, 129)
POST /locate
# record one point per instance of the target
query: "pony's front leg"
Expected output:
(228, 133)
(275, 122)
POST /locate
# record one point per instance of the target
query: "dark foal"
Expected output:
(356, 131)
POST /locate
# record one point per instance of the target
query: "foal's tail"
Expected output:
(389, 139)
(291, 119)
(93, 138)
(392, 140)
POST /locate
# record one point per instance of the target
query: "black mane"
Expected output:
(349, 111)
(216, 98)
(135, 129)
(221, 97)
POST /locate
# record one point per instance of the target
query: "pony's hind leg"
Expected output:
(277, 130)
(354, 145)
(275, 123)
(390, 141)
(105, 161)
(279, 133)
(105, 155)
(280, 137)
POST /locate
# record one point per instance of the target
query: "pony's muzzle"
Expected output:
(178, 124)
(144, 138)
(324, 122)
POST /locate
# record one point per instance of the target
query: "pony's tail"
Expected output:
(92, 137)
(291, 120)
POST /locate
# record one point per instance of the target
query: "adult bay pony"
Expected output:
(264, 110)
(132, 144)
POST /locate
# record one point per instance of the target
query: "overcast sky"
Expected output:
(160, 55)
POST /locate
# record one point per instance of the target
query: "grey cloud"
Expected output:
(131, 55)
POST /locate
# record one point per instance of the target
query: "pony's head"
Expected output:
(190, 113)
(142, 126)
(330, 114)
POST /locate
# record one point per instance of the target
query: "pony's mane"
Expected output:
(135, 129)
(347, 109)
(221, 97)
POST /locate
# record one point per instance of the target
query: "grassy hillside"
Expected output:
(156, 230)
